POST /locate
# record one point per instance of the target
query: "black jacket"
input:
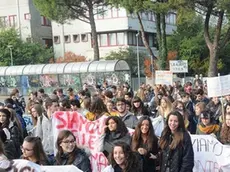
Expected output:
(111, 138)
(81, 160)
(10, 150)
(180, 159)
(149, 165)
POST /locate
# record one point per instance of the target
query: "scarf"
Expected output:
(209, 129)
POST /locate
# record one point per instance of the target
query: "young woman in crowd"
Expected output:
(69, 154)
(36, 112)
(138, 107)
(115, 131)
(33, 151)
(97, 109)
(176, 145)
(207, 125)
(122, 159)
(165, 107)
(215, 107)
(11, 130)
(179, 106)
(110, 106)
(225, 130)
(145, 143)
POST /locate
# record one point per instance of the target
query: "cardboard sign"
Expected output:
(163, 77)
(178, 66)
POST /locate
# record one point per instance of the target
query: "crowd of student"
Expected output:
(185, 109)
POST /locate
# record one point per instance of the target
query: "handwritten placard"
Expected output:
(163, 77)
(178, 66)
(86, 132)
(218, 86)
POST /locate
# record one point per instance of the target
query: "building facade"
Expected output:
(116, 29)
(23, 15)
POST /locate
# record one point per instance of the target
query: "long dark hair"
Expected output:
(61, 136)
(121, 128)
(98, 107)
(225, 132)
(8, 115)
(140, 108)
(38, 150)
(131, 161)
(177, 137)
(151, 137)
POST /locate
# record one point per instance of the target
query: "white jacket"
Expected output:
(108, 169)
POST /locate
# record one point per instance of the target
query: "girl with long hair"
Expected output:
(138, 107)
(145, 143)
(179, 106)
(97, 109)
(176, 145)
(165, 107)
(11, 130)
(122, 159)
(33, 151)
(36, 112)
(69, 154)
(225, 131)
(115, 131)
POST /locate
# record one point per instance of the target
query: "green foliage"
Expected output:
(23, 52)
(189, 42)
(130, 56)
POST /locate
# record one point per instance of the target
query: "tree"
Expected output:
(128, 55)
(215, 13)
(70, 57)
(22, 52)
(160, 8)
(63, 10)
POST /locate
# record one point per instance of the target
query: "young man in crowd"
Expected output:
(127, 117)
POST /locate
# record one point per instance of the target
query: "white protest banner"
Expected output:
(87, 133)
(209, 154)
(178, 66)
(218, 86)
(25, 165)
(163, 77)
(60, 168)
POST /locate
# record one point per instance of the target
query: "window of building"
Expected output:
(57, 39)
(13, 20)
(171, 18)
(47, 42)
(153, 17)
(84, 37)
(151, 40)
(120, 38)
(112, 39)
(45, 21)
(144, 16)
(103, 40)
(100, 12)
(27, 16)
(67, 39)
(114, 12)
(3, 21)
(76, 38)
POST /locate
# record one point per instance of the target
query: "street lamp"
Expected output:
(138, 62)
(11, 54)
